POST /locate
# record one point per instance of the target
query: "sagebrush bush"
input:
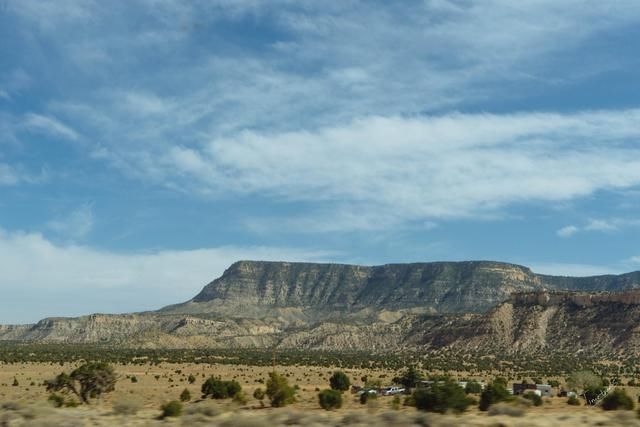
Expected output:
(258, 393)
(573, 400)
(509, 409)
(617, 399)
(206, 408)
(127, 406)
(171, 409)
(340, 381)
(442, 397)
(185, 396)
(533, 397)
(494, 392)
(473, 387)
(56, 400)
(220, 389)
(330, 399)
(279, 391)
(240, 398)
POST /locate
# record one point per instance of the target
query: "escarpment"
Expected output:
(483, 306)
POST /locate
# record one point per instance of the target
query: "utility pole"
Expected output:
(274, 359)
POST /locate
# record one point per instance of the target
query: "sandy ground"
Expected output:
(26, 403)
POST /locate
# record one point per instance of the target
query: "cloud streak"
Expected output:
(452, 166)
(609, 225)
(49, 125)
(77, 225)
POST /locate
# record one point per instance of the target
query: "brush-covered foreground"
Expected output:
(212, 414)
(142, 389)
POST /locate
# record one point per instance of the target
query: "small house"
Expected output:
(519, 389)
(545, 390)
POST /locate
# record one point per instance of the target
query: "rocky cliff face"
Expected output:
(483, 306)
(437, 287)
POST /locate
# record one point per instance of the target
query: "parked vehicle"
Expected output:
(368, 390)
(390, 391)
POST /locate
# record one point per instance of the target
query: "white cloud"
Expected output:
(599, 225)
(325, 64)
(8, 176)
(77, 225)
(16, 174)
(49, 125)
(568, 231)
(575, 270)
(49, 274)
(421, 168)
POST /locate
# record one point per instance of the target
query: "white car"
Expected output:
(368, 391)
(390, 391)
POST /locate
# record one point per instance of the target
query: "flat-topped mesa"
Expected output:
(581, 299)
(472, 286)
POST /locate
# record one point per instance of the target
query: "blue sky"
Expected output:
(146, 145)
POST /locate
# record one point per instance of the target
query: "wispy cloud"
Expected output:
(449, 166)
(8, 176)
(16, 174)
(76, 225)
(312, 65)
(568, 231)
(314, 111)
(49, 125)
(609, 225)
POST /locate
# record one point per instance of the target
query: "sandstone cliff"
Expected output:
(470, 306)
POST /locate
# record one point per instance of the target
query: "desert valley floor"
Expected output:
(26, 403)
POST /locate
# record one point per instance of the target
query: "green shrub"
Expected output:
(473, 387)
(240, 398)
(90, 380)
(494, 392)
(56, 400)
(330, 399)
(219, 389)
(574, 401)
(71, 403)
(134, 379)
(279, 391)
(191, 379)
(442, 397)
(258, 393)
(185, 396)
(583, 381)
(171, 409)
(410, 378)
(533, 397)
(501, 380)
(340, 381)
(617, 399)
(15, 382)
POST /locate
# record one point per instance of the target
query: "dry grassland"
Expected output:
(26, 404)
